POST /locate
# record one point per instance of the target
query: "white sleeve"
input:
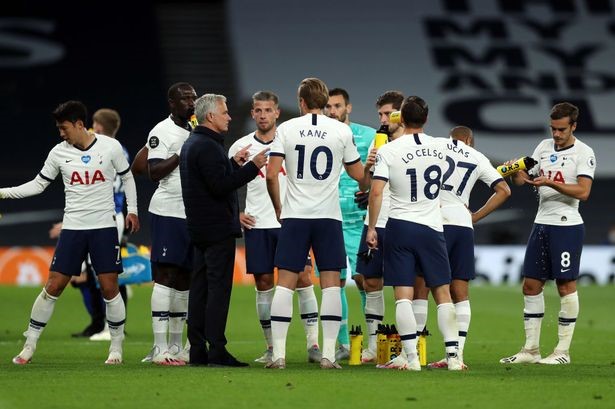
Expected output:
(351, 154)
(277, 147)
(130, 190)
(487, 173)
(122, 168)
(157, 146)
(381, 167)
(586, 165)
(38, 184)
(31, 188)
(118, 158)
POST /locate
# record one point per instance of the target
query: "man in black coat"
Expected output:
(209, 189)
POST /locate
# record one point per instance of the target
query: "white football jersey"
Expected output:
(465, 166)
(258, 203)
(88, 177)
(383, 216)
(414, 165)
(164, 140)
(315, 147)
(563, 166)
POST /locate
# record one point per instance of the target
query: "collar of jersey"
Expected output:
(88, 148)
(261, 141)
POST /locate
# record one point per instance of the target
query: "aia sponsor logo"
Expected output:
(85, 178)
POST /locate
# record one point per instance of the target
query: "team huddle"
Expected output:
(318, 185)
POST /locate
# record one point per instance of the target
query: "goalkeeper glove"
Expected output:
(361, 199)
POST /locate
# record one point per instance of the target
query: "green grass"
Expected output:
(69, 373)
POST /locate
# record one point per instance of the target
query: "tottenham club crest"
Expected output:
(154, 142)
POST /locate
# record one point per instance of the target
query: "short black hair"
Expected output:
(174, 89)
(71, 111)
(414, 112)
(342, 92)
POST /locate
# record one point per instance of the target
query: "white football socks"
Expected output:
(308, 308)
(533, 312)
(281, 314)
(567, 320)
(330, 317)
(374, 314)
(42, 309)
(447, 323)
(116, 317)
(464, 314)
(178, 311)
(263, 311)
(419, 307)
(406, 326)
(161, 304)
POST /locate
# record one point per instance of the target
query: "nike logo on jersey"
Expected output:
(563, 270)
(68, 160)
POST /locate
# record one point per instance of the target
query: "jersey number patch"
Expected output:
(313, 161)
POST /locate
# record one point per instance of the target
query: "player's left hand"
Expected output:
(132, 223)
(537, 181)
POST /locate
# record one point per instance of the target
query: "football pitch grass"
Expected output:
(69, 373)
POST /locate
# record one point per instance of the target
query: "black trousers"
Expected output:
(210, 295)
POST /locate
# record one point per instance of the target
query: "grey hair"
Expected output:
(206, 104)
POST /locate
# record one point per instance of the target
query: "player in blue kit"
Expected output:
(563, 176)
(88, 163)
(339, 107)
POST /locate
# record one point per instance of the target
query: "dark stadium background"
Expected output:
(110, 55)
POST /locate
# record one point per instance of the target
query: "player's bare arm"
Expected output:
(139, 164)
(579, 190)
(375, 204)
(356, 171)
(520, 177)
(273, 184)
(500, 195)
(160, 169)
(132, 223)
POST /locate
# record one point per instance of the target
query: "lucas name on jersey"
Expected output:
(458, 149)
